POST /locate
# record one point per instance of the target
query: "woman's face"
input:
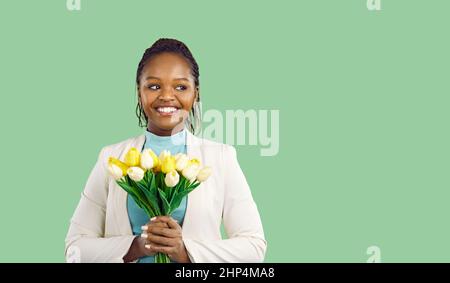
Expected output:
(167, 91)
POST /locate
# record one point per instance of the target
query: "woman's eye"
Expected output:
(181, 87)
(153, 87)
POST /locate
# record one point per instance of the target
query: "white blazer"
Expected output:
(100, 229)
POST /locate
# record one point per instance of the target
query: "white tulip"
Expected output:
(135, 173)
(191, 171)
(204, 173)
(163, 155)
(181, 162)
(147, 160)
(172, 178)
(115, 171)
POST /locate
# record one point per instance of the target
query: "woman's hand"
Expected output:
(164, 235)
(143, 241)
(137, 248)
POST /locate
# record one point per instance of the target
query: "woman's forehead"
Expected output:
(165, 62)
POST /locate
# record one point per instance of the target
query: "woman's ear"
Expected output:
(197, 94)
(138, 93)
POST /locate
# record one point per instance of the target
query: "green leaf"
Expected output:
(150, 191)
(153, 194)
(181, 185)
(165, 203)
(178, 193)
(153, 185)
(157, 179)
(177, 200)
(151, 199)
(140, 196)
(193, 184)
(147, 176)
(161, 180)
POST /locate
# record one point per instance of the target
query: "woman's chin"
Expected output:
(167, 125)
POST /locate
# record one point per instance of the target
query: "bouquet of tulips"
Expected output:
(157, 184)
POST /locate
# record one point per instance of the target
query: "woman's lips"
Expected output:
(166, 111)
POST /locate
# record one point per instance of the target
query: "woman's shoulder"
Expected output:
(118, 148)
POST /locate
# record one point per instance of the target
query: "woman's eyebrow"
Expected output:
(156, 78)
(183, 79)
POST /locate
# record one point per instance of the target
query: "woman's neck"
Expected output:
(163, 132)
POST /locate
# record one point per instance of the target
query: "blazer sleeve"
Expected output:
(241, 219)
(86, 233)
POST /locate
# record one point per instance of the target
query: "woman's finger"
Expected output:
(163, 231)
(156, 224)
(161, 240)
(160, 249)
(147, 228)
(169, 220)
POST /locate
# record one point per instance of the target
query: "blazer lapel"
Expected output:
(194, 198)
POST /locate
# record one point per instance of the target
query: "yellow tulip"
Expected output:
(194, 161)
(133, 157)
(156, 161)
(157, 168)
(164, 154)
(119, 164)
(168, 164)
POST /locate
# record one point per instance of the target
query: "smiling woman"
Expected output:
(168, 69)
(108, 226)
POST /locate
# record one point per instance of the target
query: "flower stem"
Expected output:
(162, 258)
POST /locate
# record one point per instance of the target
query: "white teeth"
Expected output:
(166, 109)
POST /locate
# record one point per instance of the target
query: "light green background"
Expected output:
(363, 99)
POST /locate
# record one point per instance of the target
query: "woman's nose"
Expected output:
(166, 94)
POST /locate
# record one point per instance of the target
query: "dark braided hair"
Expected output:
(178, 47)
